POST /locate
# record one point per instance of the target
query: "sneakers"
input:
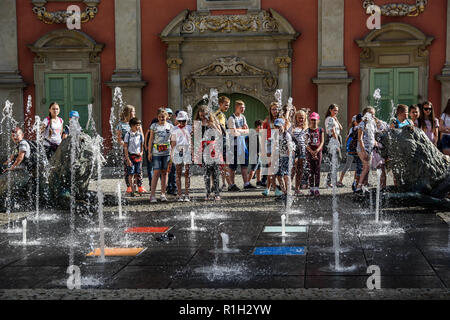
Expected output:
(259, 184)
(129, 190)
(316, 193)
(163, 198)
(187, 198)
(180, 199)
(354, 186)
(141, 190)
(311, 192)
(153, 199)
(249, 186)
(233, 188)
(278, 192)
(217, 198)
(265, 192)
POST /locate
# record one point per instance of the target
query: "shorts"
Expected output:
(235, 164)
(135, 168)
(445, 141)
(160, 162)
(283, 166)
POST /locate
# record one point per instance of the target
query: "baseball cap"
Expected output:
(315, 116)
(168, 110)
(279, 122)
(182, 116)
(74, 114)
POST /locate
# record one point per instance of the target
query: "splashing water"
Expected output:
(213, 102)
(75, 130)
(97, 152)
(28, 117)
(7, 124)
(90, 125)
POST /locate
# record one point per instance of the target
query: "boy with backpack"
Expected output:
(133, 150)
(21, 157)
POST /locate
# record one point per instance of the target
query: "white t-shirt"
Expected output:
(161, 135)
(53, 131)
(446, 118)
(330, 123)
(182, 136)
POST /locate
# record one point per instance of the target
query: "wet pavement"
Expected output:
(411, 247)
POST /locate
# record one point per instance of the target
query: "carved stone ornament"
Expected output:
(174, 63)
(399, 9)
(234, 67)
(283, 62)
(259, 22)
(61, 16)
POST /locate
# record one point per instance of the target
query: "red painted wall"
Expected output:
(302, 15)
(432, 22)
(155, 15)
(101, 29)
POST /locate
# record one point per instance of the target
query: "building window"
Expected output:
(206, 5)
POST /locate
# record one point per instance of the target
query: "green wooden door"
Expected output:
(406, 85)
(56, 90)
(71, 91)
(80, 95)
(397, 84)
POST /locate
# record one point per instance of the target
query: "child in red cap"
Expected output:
(314, 152)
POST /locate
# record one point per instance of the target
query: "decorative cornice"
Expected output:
(61, 16)
(283, 62)
(257, 22)
(399, 9)
(174, 63)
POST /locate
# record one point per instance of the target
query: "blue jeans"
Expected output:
(160, 162)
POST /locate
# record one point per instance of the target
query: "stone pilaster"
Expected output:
(127, 74)
(11, 82)
(332, 78)
(283, 63)
(445, 76)
(174, 65)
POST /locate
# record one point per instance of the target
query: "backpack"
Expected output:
(31, 162)
(140, 136)
(354, 140)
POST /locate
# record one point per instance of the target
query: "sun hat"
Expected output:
(182, 116)
(315, 116)
(74, 114)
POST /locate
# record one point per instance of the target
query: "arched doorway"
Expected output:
(254, 109)
(394, 59)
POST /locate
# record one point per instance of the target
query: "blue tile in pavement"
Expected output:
(287, 228)
(279, 251)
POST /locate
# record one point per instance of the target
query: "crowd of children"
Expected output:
(300, 142)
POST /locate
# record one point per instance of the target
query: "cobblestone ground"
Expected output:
(411, 246)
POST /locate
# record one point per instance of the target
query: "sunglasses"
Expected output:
(427, 109)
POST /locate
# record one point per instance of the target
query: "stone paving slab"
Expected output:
(415, 256)
(226, 294)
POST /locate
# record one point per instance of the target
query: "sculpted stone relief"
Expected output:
(227, 72)
(258, 22)
(61, 16)
(399, 9)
